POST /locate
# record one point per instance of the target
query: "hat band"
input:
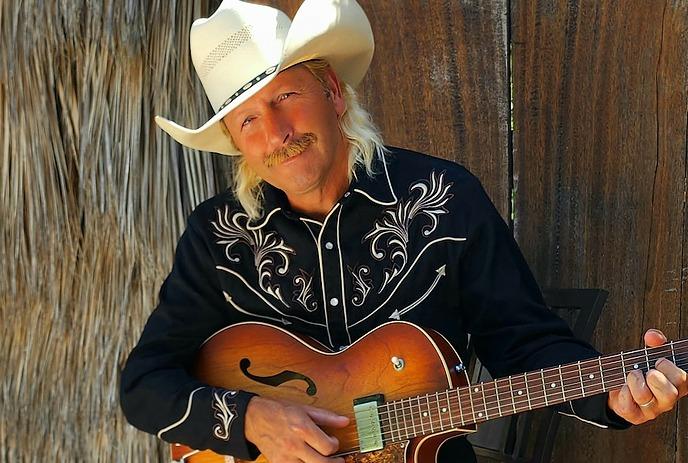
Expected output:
(248, 85)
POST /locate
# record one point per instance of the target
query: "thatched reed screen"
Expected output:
(93, 201)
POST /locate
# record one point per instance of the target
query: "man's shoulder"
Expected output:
(408, 166)
(207, 209)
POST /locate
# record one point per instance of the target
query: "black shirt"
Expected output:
(419, 241)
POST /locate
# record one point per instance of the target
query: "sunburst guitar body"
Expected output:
(394, 362)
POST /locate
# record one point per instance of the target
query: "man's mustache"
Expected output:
(294, 147)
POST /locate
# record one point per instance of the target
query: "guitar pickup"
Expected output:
(368, 426)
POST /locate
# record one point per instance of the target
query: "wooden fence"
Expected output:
(574, 113)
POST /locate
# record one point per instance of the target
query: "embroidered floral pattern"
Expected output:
(225, 412)
(270, 252)
(304, 294)
(361, 285)
(392, 230)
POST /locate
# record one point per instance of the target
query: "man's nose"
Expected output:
(278, 130)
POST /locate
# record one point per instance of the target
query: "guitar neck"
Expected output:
(425, 414)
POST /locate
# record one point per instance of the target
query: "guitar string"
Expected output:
(613, 382)
(437, 424)
(489, 408)
(643, 356)
(576, 374)
(528, 380)
(444, 423)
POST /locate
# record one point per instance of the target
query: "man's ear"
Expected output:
(334, 92)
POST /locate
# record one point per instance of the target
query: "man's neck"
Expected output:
(317, 204)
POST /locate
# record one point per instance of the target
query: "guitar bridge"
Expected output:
(368, 422)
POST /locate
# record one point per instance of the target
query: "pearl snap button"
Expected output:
(329, 245)
(334, 301)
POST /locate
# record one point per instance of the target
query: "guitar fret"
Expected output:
(511, 388)
(482, 386)
(580, 376)
(604, 386)
(561, 381)
(588, 375)
(402, 412)
(406, 426)
(440, 411)
(525, 378)
(451, 419)
(544, 388)
(673, 355)
(427, 399)
(437, 413)
(521, 392)
(396, 419)
(434, 404)
(623, 365)
(404, 417)
(647, 360)
(552, 380)
(458, 398)
(498, 395)
(393, 420)
(413, 416)
(420, 415)
(470, 397)
(473, 393)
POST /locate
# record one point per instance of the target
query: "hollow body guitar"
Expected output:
(404, 388)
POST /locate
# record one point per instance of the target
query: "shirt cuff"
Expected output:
(594, 411)
(214, 420)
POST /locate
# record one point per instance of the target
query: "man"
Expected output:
(329, 234)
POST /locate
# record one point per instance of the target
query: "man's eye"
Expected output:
(284, 96)
(246, 122)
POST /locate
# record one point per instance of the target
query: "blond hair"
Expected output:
(357, 128)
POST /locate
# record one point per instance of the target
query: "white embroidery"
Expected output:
(407, 273)
(263, 245)
(236, 306)
(304, 295)
(396, 221)
(441, 271)
(225, 412)
(183, 418)
(361, 285)
(260, 296)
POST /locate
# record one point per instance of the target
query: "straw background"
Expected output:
(94, 198)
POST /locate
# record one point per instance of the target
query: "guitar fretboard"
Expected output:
(454, 408)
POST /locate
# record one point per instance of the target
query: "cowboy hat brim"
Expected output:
(337, 31)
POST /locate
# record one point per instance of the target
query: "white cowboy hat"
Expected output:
(241, 48)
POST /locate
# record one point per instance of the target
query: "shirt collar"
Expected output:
(377, 188)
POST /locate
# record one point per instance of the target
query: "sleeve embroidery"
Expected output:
(225, 412)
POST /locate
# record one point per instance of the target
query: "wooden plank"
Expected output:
(599, 165)
(438, 82)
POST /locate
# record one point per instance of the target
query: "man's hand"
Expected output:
(285, 432)
(645, 397)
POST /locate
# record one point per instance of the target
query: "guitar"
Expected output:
(404, 388)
